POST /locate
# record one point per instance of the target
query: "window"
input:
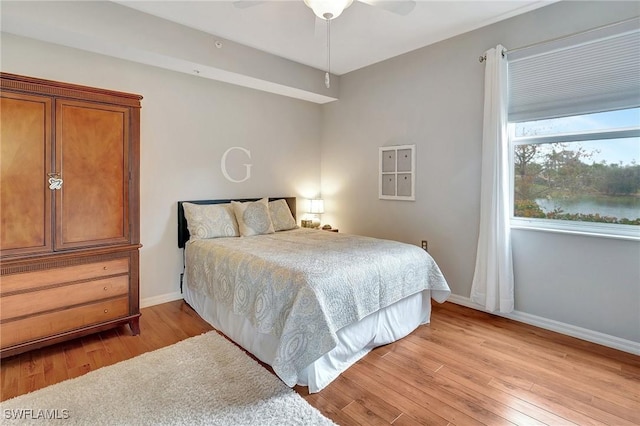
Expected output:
(582, 168)
(574, 134)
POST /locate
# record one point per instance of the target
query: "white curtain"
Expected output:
(492, 285)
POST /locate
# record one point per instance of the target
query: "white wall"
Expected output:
(186, 125)
(433, 97)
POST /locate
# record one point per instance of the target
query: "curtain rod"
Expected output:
(483, 57)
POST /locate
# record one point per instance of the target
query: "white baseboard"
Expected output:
(559, 327)
(163, 298)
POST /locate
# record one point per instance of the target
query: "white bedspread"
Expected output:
(302, 286)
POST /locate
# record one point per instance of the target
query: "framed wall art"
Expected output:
(397, 177)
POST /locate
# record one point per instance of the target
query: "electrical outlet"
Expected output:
(425, 245)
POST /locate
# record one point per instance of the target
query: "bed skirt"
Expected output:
(354, 341)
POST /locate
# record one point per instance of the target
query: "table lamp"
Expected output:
(316, 208)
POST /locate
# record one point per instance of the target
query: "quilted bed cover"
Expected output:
(302, 286)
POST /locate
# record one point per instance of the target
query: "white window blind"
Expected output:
(594, 71)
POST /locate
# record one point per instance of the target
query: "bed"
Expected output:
(307, 302)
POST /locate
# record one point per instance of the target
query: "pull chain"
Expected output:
(327, 81)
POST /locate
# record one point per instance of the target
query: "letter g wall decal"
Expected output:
(247, 167)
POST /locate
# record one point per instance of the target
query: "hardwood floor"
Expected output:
(466, 367)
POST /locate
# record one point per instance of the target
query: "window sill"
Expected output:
(599, 230)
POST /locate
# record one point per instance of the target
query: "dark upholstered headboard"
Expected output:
(183, 231)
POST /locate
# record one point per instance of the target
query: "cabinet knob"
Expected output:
(55, 182)
(106, 310)
(105, 289)
(104, 268)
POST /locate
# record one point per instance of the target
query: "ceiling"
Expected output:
(361, 36)
(273, 46)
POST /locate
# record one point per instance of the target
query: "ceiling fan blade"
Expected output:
(401, 7)
(243, 4)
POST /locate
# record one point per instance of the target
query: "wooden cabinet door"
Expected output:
(25, 161)
(92, 156)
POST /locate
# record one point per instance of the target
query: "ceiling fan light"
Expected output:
(328, 9)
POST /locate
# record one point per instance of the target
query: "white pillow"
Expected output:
(253, 217)
(281, 216)
(210, 220)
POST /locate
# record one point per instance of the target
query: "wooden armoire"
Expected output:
(70, 211)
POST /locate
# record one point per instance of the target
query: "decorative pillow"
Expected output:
(210, 220)
(281, 216)
(253, 217)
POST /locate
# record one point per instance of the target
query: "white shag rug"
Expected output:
(204, 380)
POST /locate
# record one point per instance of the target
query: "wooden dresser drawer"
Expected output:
(37, 279)
(31, 328)
(49, 299)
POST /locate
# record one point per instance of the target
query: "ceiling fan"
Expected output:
(401, 7)
(331, 9)
(328, 10)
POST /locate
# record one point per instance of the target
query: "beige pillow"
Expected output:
(210, 220)
(253, 217)
(281, 216)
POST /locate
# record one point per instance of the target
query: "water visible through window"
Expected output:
(582, 168)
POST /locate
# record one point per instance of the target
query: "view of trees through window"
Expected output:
(581, 168)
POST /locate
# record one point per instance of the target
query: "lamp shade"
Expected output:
(328, 9)
(316, 206)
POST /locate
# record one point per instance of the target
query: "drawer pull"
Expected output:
(106, 310)
(105, 288)
(105, 268)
